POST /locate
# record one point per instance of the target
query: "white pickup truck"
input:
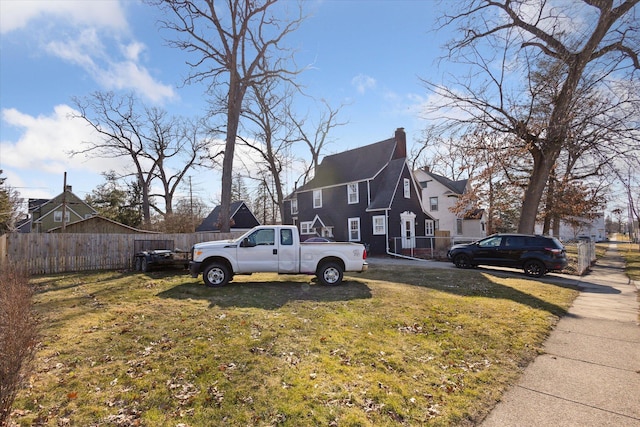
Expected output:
(276, 249)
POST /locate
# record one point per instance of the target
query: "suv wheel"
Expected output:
(462, 261)
(534, 268)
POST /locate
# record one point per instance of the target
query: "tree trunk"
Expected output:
(542, 165)
(236, 95)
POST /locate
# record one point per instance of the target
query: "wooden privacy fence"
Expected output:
(49, 253)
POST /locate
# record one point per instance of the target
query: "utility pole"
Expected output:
(193, 226)
(64, 203)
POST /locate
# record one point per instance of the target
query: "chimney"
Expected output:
(401, 144)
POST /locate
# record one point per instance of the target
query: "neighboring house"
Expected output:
(439, 195)
(581, 227)
(367, 195)
(99, 225)
(48, 214)
(241, 218)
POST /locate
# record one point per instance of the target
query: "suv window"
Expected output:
(515, 241)
(492, 242)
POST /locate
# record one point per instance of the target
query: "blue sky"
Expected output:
(368, 55)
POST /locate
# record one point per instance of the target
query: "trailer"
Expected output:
(158, 254)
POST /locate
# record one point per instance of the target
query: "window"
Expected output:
(407, 188)
(265, 236)
(294, 206)
(354, 229)
(352, 193)
(433, 204)
(317, 198)
(286, 237)
(57, 216)
(459, 226)
(379, 225)
(429, 227)
(305, 227)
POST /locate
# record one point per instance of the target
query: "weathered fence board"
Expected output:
(49, 253)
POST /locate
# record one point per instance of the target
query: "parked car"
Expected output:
(536, 254)
(318, 239)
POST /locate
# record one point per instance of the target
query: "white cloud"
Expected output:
(16, 15)
(93, 36)
(46, 141)
(363, 83)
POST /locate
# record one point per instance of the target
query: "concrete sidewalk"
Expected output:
(589, 374)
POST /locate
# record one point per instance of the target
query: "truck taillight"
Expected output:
(364, 254)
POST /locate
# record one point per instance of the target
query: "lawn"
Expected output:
(631, 255)
(408, 346)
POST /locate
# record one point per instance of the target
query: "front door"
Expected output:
(408, 230)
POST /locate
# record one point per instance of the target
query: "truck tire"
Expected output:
(216, 274)
(144, 265)
(330, 274)
(138, 263)
(534, 268)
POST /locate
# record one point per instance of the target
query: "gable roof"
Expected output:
(354, 165)
(457, 187)
(100, 219)
(388, 185)
(211, 222)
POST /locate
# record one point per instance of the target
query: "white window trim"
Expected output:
(407, 188)
(350, 222)
(294, 206)
(350, 193)
(379, 229)
(57, 216)
(429, 227)
(305, 227)
(317, 199)
(431, 204)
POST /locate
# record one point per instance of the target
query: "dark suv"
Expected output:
(537, 255)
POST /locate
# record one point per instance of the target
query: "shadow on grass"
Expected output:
(75, 279)
(467, 283)
(268, 295)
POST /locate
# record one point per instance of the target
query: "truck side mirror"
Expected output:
(246, 243)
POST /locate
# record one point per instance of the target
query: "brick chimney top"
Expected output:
(401, 144)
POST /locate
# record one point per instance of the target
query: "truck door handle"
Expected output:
(275, 252)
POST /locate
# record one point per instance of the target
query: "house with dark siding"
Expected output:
(241, 218)
(367, 195)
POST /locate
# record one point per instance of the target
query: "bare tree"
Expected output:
(237, 44)
(270, 136)
(176, 145)
(316, 136)
(119, 125)
(602, 50)
(159, 147)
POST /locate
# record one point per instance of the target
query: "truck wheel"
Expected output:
(144, 265)
(330, 274)
(138, 263)
(534, 268)
(462, 261)
(216, 274)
